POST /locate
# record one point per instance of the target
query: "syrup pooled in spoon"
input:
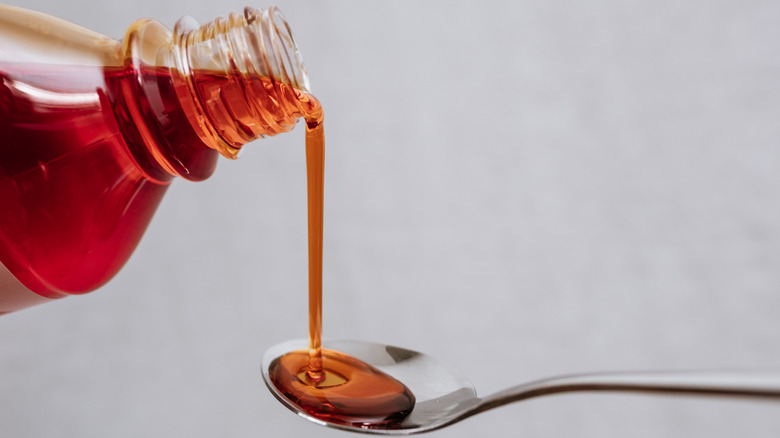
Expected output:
(350, 392)
(327, 384)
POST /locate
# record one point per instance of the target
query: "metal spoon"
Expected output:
(445, 397)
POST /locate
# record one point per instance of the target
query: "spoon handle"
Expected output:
(764, 384)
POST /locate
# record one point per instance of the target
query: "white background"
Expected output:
(520, 188)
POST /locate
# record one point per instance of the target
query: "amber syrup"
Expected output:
(328, 384)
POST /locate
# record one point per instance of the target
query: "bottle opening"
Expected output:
(243, 76)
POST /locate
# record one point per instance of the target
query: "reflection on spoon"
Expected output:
(444, 397)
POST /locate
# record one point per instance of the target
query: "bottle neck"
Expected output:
(240, 78)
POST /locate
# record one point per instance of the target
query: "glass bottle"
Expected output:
(93, 130)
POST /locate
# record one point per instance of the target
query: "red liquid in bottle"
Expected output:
(92, 130)
(327, 384)
(86, 155)
(74, 201)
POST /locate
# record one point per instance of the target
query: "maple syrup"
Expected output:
(328, 384)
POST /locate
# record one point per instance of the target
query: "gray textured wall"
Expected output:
(521, 188)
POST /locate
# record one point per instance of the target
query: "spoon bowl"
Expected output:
(441, 392)
(444, 396)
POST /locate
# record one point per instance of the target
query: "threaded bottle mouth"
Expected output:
(245, 75)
